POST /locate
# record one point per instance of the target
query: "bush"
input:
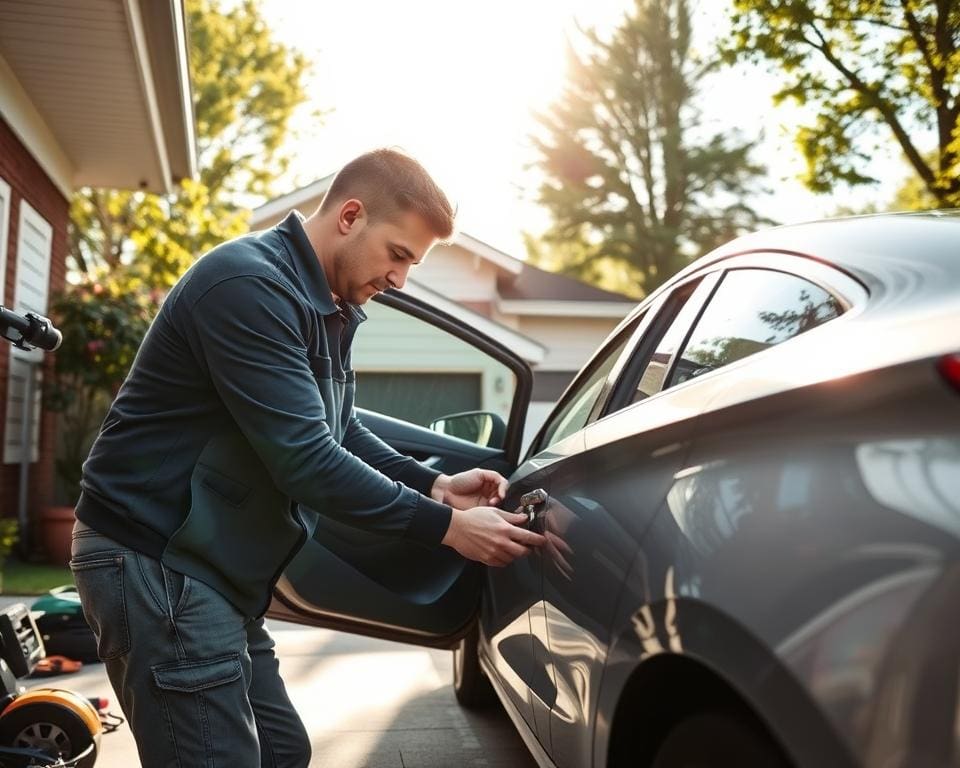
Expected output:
(102, 324)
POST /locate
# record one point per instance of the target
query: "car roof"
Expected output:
(856, 242)
(921, 249)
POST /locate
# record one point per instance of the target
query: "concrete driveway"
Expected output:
(366, 704)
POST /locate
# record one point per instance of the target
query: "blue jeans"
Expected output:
(199, 683)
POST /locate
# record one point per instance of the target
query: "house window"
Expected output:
(4, 234)
(34, 249)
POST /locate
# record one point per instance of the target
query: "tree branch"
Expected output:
(937, 76)
(886, 111)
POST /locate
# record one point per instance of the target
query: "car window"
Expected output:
(409, 369)
(751, 310)
(579, 403)
(683, 312)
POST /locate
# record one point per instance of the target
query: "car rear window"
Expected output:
(751, 310)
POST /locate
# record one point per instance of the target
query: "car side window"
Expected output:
(680, 312)
(578, 405)
(751, 310)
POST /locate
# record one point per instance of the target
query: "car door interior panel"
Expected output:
(429, 597)
(444, 453)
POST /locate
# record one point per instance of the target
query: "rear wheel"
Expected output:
(717, 740)
(470, 684)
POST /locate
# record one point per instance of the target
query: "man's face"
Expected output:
(376, 256)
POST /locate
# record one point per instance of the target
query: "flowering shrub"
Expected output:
(102, 324)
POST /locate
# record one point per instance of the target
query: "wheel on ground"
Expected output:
(718, 740)
(55, 728)
(470, 684)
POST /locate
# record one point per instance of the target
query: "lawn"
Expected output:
(23, 578)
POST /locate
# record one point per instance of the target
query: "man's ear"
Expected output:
(350, 216)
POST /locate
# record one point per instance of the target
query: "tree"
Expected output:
(631, 177)
(246, 86)
(128, 248)
(871, 68)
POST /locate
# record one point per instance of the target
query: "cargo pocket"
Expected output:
(99, 581)
(205, 704)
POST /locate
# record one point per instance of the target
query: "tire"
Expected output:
(470, 684)
(717, 740)
(48, 728)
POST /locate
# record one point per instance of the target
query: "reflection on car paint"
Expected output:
(919, 477)
(646, 627)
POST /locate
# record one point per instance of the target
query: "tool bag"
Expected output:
(62, 625)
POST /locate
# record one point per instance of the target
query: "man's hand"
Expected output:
(473, 488)
(490, 536)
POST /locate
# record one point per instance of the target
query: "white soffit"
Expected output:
(566, 308)
(87, 69)
(501, 259)
(29, 126)
(305, 199)
(530, 350)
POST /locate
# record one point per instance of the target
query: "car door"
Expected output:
(593, 520)
(632, 472)
(348, 579)
(559, 438)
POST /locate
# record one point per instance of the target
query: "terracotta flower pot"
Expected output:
(56, 527)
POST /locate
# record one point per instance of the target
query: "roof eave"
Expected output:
(564, 308)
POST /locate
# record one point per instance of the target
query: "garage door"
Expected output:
(418, 397)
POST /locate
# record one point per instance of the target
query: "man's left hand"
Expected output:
(473, 488)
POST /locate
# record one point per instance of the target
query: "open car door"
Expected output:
(418, 363)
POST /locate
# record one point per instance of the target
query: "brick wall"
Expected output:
(28, 182)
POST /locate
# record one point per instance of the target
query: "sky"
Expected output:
(457, 86)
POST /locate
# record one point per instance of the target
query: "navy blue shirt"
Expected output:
(240, 400)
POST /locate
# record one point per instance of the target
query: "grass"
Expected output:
(22, 578)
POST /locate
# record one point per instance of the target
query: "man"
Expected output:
(240, 401)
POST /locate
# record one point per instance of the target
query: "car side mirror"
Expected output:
(478, 427)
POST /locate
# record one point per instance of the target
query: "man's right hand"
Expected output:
(490, 536)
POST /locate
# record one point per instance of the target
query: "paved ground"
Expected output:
(366, 703)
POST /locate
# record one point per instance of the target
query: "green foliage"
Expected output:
(102, 326)
(128, 248)
(25, 578)
(631, 177)
(9, 536)
(874, 70)
(246, 86)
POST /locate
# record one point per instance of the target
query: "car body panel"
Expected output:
(513, 633)
(788, 523)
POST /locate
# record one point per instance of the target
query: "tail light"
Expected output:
(949, 366)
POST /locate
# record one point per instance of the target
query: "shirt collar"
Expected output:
(306, 262)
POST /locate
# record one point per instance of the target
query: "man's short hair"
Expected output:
(389, 182)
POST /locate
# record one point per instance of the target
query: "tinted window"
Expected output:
(576, 410)
(751, 310)
(411, 370)
(678, 314)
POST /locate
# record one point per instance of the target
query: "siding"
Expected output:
(28, 182)
(391, 341)
(457, 274)
(569, 340)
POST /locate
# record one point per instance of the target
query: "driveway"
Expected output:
(366, 704)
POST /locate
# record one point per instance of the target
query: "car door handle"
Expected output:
(532, 504)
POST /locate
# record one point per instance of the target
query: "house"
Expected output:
(552, 321)
(92, 93)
